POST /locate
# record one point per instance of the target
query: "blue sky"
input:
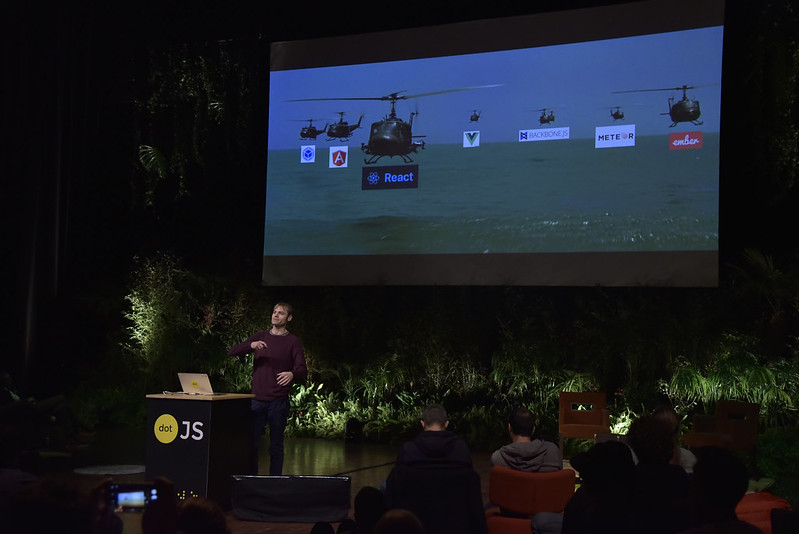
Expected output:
(577, 80)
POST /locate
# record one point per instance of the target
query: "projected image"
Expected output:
(588, 147)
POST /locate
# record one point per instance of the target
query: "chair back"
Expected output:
(740, 421)
(582, 408)
(526, 493)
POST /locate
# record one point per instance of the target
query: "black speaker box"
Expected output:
(291, 499)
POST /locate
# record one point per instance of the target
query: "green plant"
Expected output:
(778, 448)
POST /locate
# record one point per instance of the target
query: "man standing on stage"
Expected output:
(279, 360)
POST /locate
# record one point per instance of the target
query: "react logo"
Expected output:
(165, 428)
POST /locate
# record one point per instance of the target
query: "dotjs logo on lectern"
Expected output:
(167, 429)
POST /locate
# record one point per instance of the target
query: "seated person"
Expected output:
(721, 481)
(661, 498)
(601, 503)
(524, 453)
(681, 456)
(433, 477)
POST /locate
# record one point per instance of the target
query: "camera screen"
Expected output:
(131, 498)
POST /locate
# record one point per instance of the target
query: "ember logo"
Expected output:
(395, 177)
(338, 157)
(685, 140)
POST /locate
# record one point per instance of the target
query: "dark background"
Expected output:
(71, 215)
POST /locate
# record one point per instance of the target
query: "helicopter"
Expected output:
(342, 129)
(684, 110)
(616, 113)
(546, 118)
(475, 116)
(311, 131)
(392, 136)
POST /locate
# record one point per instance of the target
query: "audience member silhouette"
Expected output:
(49, 506)
(369, 505)
(200, 515)
(347, 526)
(602, 502)
(433, 477)
(680, 455)
(523, 452)
(322, 527)
(662, 491)
(400, 521)
(720, 482)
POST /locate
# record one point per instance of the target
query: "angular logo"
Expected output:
(307, 154)
(338, 157)
(614, 136)
(685, 140)
(471, 139)
(394, 177)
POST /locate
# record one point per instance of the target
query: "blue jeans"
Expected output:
(275, 414)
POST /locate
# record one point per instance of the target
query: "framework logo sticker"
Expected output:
(543, 134)
(307, 154)
(614, 136)
(685, 140)
(338, 157)
(471, 139)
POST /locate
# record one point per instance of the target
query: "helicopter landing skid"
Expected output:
(696, 123)
(374, 159)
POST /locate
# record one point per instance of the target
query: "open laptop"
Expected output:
(195, 384)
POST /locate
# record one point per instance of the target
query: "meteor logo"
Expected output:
(614, 136)
(338, 157)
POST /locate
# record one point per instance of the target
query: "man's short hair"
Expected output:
(522, 421)
(434, 414)
(652, 440)
(286, 306)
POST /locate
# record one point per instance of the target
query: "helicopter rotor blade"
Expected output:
(680, 88)
(397, 95)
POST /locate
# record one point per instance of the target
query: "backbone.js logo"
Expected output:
(395, 177)
(167, 429)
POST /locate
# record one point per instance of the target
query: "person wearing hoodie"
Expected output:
(435, 445)
(524, 453)
(434, 478)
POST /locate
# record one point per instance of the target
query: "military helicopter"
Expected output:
(392, 136)
(311, 131)
(546, 118)
(683, 110)
(342, 129)
(475, 116)
(616, 113)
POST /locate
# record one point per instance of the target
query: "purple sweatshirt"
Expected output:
(282, 353)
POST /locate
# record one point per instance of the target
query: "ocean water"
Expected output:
(556, 196)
